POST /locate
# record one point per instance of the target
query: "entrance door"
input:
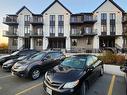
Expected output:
(27, 43)
(107, 42)
(56, 43)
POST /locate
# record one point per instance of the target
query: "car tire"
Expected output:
(83, 89)
(101, 71)
(35, 73)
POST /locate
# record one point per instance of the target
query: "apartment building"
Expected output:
(58, 27)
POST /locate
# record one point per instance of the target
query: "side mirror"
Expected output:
(123, 69)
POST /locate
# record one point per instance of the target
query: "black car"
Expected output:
(123, 68)
(15, 55)
(37, 64)
(73, 76)
(8, 64)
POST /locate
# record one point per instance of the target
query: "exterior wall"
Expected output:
(10, 46)
(119, 42)
(106, 9)
(82, 43)
(21, 26)
(20, 42)
(56, 10)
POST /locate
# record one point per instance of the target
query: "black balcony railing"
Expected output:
(103, 33)
(124, 19)
(52, 34)
(10, 20)
(60, 34)
(92, 32)
(10, 33)
(112, 33)
(36, 20)
(36, 33)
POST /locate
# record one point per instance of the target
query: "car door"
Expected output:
(91, 69)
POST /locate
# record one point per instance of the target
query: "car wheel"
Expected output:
(35, 73)
(101, 71)
(83, 89)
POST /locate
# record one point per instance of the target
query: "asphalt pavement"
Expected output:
(11, 85)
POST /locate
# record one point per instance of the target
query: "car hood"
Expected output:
(27, 62)
(4, 56)
(61, 74)
(9, 62)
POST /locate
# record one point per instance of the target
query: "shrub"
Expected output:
(111, 58)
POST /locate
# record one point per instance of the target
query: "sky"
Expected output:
(37, 7)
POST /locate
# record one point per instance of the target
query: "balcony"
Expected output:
(60, 34)
(36, 21)
(124, 19)
(76, 34)
(10, 34)
(36, 34)
(89, 33)
(103, 33)
(76, 20)
(52, 34)
(112, 33)
(125, 33)
(89, 19)
(10, 20)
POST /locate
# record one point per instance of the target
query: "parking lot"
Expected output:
(12, 85)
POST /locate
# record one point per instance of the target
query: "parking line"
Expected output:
(111, 85)
(26, 90)
(5, 76)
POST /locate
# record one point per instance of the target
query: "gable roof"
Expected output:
(53, 4)
(24, 7)
(112, 3)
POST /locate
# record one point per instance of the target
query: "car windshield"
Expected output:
(37, 56)
(14, 53)
(75, 62)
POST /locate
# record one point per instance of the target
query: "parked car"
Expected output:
(123, 68)
(15, 55)
(40, 63)
(73, 76)
(8, 64)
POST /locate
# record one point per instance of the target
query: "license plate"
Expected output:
(49, 91)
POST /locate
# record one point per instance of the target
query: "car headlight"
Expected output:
(71, 84)
(22, 68)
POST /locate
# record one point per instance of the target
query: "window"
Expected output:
(112, 22)
(112, 16)
(88, 29)
(103, 28)
(52, 29)
(89, 41)
(27, 29)
(103, 22)
(52, 17)
(39, 31)
(14, 42)
(27, 18)
(112, 28)
(60, 29)
(103, 16)
(74, 42)
(39, 42)
(90, 61)
(60, 18)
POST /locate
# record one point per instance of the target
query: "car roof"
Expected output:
(51, 51)
(85, 55)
